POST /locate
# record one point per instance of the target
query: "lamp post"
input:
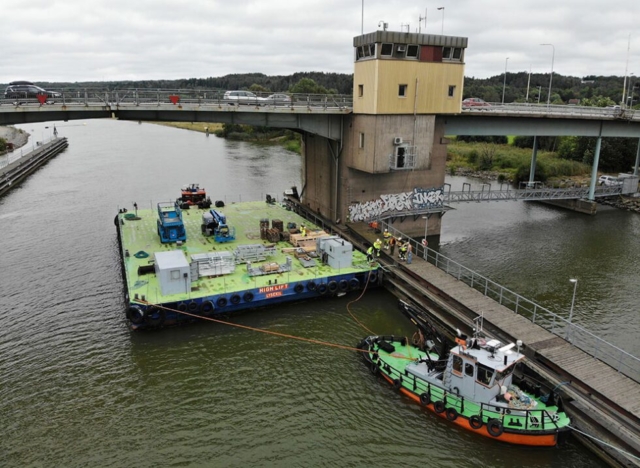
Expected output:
(573, 301)
(442, 29)
(424, 243)
(553, 56)
(629, 102)
(504, 84)
(526, 99)
(539, 93)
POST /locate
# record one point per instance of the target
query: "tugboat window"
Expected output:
(468, 369)
(457, 364)
(484, 374)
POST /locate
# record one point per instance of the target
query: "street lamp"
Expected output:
(553, 56)
(573, 301)
(539, 93)
(504, 85)
(629, 102)
(442, 29)
(424, 242)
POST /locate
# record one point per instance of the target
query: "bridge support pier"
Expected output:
(387, 166)
(635, 167)
(594, 170)
(534, 155)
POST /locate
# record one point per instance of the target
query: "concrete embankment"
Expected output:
(14, 172)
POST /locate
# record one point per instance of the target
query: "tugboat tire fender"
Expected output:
(332, 286)
(299, 288)
(154, 316)
(235, 299)
(397, 384)
(207, 308)
(221, 302)
(452, 414)
(373, 278)
(495, 428)
(312, 286)
(182, 307)
(425, 399)
(135, 315)
(375, 370)
(322, 288)
(248, 297)
(439, 407)
(354, 283)
(475, 421)
(193, 306)
(343, 285)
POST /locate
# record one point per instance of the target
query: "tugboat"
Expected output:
(471, 383)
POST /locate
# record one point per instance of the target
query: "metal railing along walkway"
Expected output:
(535, 192)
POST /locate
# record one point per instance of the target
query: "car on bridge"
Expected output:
(277, 99)
(475, 102)
(241, 97)
(27, 90)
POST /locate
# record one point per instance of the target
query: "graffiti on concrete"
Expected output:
(388, 204)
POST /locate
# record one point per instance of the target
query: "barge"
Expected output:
(183, 263)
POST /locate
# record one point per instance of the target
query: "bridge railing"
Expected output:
(579, 336)
(554, 109)
(202, 97)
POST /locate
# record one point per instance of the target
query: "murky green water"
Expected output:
(79, 389)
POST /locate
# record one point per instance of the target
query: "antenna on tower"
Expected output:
(420, 19)
(402, 26)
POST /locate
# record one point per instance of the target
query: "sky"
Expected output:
(106, 40)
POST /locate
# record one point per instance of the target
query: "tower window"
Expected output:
(452, 91)
(386, 50)
(412, 51)
(402, 90)
(360, 90)
(361, 142)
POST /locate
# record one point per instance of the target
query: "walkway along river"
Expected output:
(79, 389)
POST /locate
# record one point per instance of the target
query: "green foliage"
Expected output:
(597, 101)
(487, 154)
(308, 86)
(498, 139)
(544, 143)
(256, 88)
(3, 144)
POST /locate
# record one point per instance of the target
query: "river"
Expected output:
(79, 389)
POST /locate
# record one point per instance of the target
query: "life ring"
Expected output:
(452, 414)
(193, 306)
(354, 283)
(135, 315)
(375, 370)
(343, 285)
(495, 428)
(425, 399)
(332, 286)
(248, 297)
(207, 308)
(182, 307)
(439, 407)
(154, 317)
(299, 288)
(397, 384)
(235, 299)
(221, 302)
(475, 421)
(373, 278)
(322, 288)
(312, 286)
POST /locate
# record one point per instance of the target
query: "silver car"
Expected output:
(241, 97)
(277, 99)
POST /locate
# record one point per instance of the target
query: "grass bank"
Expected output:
(511, 163)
